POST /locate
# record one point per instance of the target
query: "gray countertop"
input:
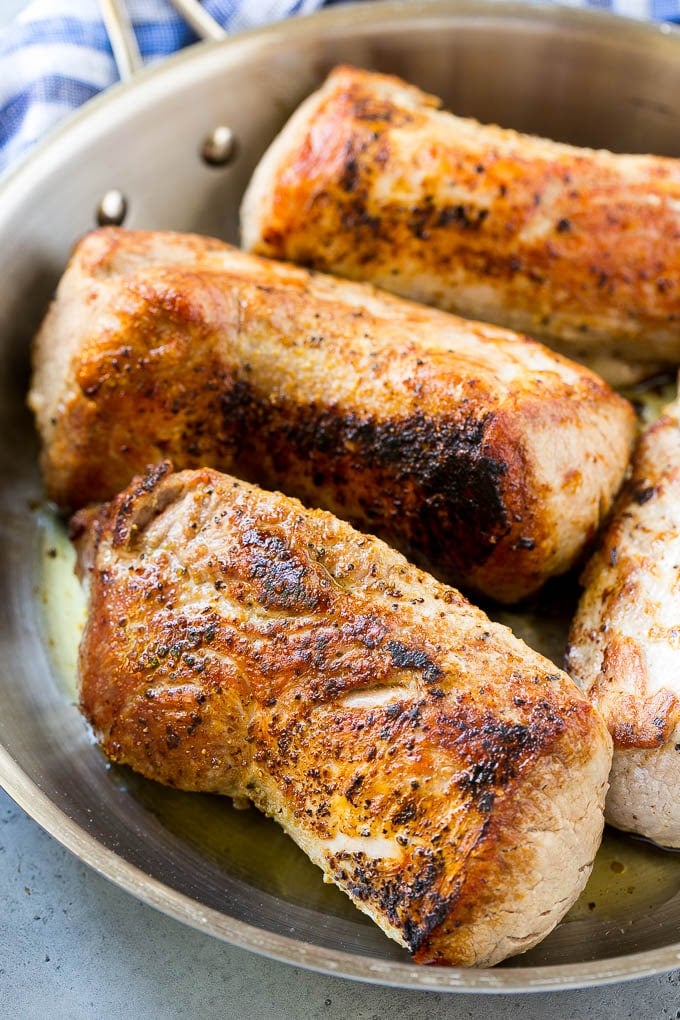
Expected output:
(74, 945)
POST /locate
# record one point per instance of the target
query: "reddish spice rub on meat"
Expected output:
(446, 777)
(475, 450)
(579, 248)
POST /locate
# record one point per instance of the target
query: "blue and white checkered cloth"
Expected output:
(56, 54)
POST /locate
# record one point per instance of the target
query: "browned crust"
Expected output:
(377, 184)
(265, 371)
(636, 718)
(610, 666)
(227, 630)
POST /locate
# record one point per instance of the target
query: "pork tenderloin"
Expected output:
(477, 451)
(446, 777)
(624, 649)
(579, 248)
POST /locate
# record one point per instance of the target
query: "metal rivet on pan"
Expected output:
(219, 148)
(112, 209)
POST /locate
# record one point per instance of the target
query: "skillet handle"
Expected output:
(202, 23)
(122, 36)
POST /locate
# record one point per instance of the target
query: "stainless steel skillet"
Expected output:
(571, 75)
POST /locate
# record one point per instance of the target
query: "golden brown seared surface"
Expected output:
(625, 640)
(445, 776)
(475, 449)
(579, 248)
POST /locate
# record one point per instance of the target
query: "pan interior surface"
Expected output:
(573, 76)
